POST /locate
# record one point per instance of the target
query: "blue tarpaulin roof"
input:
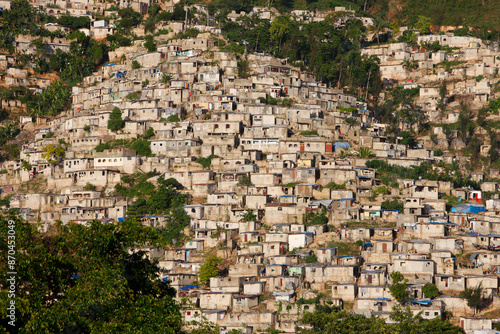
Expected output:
(472, 208)
(188, 287)
(367, 244)
(421, 302)
(340, 144)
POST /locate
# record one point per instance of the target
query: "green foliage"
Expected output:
(393, 205)
(365, 153)
(332, 54)
(474, 296)
(54, 154)
(244, 181)
(430, 290)
(134, 95)
(159, 200)
(73, 22)
(330, 320)
(243, 68)
(150, 44)
(173, 118)
(381, 190)
(449, 64)
(136, 65)
(52, 101)
(128, 19)
(86, 128)
(209, 269)
(137, 185)
(26, 165)
(142, 147)
(118, 40)
(319, 219)
(149, 133)
(289, 185)
(206, 162)
(408, 138)
(90, 187)
(399, 287)
(82, 278)
(285, 102)
(311, 258)
(248, 216)
(424, 170)
(190, 33)
(115, 121)
(84, 57)
(335, 186)
(423, 25)
(309, 133)
(49, 135)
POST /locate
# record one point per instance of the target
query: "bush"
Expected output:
(173, 118)
(393, 205)
(430, 290)
(206, 162)
(136, 65)
(209, 269)
(115, 121)
(141, 146)
(335, 186)
(309, 133)
(90, 187)
(134, 96)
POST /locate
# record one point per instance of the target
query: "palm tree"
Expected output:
(379, 24)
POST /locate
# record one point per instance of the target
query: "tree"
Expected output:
(423, 25)
(150, 44)
(248, 216)
(244, 181)
(398, 288)
(379, 24)
(408, 139)
(83, 279)
(115, 121)
(128, 19)
(209, 269)
(243, 68)
(136, 65)
(365, 153)
(430, 290)
(493, 151)
(465, 124)
(474, 296)
(442, 95)
(166, 78)
(54, 154)
(280, 28)
(90, 187)
(26, 165)
(330, 320)
(173, 118)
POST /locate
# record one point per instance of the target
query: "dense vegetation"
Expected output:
(82, 279)
(164, 199)
(330, 320)
(332, 54)
(424, 171)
